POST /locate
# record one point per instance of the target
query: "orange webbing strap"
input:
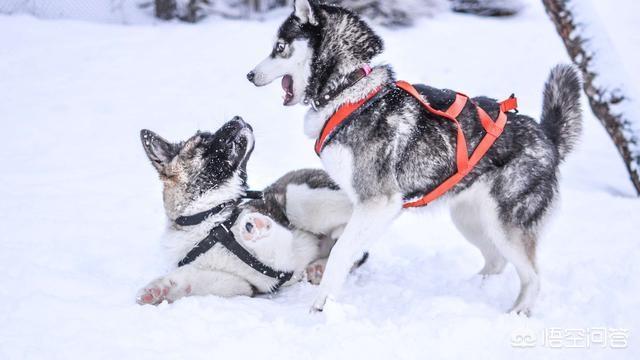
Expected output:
(464, 163)
(510, 104)
(338, 117)
(462, 155)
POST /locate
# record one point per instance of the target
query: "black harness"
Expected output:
(222, 235)
(196, 219)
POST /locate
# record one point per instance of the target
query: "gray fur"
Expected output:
(207, 167)
(208, 170)
(394, 149)
(321, 213)
(561, 113)
(274, 201)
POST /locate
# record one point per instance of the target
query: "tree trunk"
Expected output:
(606, 99)
(165, 9)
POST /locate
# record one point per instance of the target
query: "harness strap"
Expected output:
(222, 234)
(464, 163)
(338, 117)
(462, 154)
(195, 219)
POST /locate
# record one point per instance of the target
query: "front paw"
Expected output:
(315, 270)
(254, 227)
(160, 290)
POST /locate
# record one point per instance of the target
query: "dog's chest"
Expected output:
(218, 258)
(315, 120)
(337, 160)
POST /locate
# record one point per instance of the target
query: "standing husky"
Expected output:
(392, 150)
(273, 239)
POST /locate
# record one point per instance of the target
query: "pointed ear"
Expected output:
(158, 150)
(189, 147)
(303, 10)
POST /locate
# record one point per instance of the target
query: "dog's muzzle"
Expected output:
(251, 76)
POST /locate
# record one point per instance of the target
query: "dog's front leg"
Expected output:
(190, 280)
(370, 218)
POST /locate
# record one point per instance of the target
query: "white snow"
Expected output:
(81, 213)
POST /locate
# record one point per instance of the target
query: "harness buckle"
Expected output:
(510, 104)
(308, 101)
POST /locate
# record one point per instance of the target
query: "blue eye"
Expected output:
(249, 227)
(280, 47)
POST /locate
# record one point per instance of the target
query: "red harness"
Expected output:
(464, 163)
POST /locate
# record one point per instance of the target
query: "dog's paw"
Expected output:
(315, 270)
(318, 304)
(254, 227)
(160, 290)
(520, 311)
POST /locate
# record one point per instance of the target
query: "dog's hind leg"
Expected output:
(370, 218)
(475, 212)
(472, 223)
(518, 248)
(189, 280)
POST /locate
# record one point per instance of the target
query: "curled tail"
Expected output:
(561, 111)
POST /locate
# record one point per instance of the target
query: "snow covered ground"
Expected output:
(81, 213)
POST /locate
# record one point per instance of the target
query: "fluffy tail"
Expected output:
(561, 112)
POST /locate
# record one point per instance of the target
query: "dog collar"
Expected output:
(222, 234)
(195, 219)
(350, 80)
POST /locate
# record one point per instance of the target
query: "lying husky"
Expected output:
(257, 246)
(391, 150)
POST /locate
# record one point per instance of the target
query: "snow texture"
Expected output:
(81, 211)
(611, 73)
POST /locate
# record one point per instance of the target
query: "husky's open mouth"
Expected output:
(287, 86)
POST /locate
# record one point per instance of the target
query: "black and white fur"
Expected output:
(395, 151)
(209, 169)
(301, 204)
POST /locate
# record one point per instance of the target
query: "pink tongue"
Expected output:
(287, 83)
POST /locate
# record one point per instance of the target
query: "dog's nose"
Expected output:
(242, 123)
(251, 75)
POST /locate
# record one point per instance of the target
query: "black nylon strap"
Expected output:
(195, 219)
(222, 234)
(253, 195)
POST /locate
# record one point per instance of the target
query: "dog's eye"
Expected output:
(280, 47)
(249, 227)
